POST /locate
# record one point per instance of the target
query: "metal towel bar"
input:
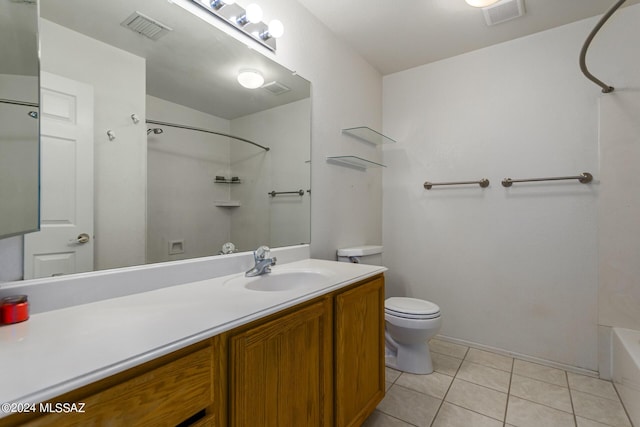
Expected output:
(484, 182)
(584, 178)
(275, 193)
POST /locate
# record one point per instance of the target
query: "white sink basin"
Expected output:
(282, 280)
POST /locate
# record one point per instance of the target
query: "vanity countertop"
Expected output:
(60, 350)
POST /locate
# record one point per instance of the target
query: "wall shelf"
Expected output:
(227, 203)
(369, 135)
(354, 161)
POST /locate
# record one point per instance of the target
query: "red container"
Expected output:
(14, 309)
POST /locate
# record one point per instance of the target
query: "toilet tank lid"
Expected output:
(360, 250)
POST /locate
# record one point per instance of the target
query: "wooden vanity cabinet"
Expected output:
(320, 363)
(359, 352)
(163, 392)
(280, 372)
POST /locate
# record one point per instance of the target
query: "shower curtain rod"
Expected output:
(583, 53)
(174, 125)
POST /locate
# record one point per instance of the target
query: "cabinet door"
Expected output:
(359, 349)
(281, 371)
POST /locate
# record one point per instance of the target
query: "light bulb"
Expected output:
(481, 3)
(251, 79)
(253, 13)
(276, 29)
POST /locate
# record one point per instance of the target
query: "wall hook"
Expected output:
(135, 119)
(111, 135)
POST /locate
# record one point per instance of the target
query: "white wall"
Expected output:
(118, 78)
(182, 166)
(510, 268)
(282, 220)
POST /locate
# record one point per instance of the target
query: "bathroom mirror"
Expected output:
(19, 147)
(162, 192)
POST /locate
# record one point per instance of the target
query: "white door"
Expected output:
(64, 244)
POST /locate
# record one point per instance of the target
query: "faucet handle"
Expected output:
(261, 253)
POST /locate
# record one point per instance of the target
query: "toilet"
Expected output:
(409, 322)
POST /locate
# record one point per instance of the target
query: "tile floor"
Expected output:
(472, 387)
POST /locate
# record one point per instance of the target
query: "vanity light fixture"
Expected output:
(481, 3)
(217, 4)
(251, 79)
(248, 21)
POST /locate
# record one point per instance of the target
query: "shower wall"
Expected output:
(182, 166)
(513, 269)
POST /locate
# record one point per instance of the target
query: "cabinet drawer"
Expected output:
(164, 396)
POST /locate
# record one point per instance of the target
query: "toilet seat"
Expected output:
(411, 308)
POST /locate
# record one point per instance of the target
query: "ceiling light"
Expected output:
(481, 3)
(251, 79)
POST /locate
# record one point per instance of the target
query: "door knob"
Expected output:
(82, 238)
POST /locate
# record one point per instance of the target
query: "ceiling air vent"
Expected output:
(276, 88)
(503, 11)
(146, 26)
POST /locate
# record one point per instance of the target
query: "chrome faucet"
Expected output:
(263, 262)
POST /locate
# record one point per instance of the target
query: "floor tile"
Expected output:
(541, 392)
(591, 385)
(448, 348)
(540, 372)
(434, 384)
(445, 364)
(599, 409)
(410, 406)
(391, 374)
(583, 422)
(522, 413)
(455, 416)
(484, 375)
(387, 385)
(493, 360)
(480, 399)
(379, 419)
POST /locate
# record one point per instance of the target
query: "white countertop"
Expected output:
(60, 350)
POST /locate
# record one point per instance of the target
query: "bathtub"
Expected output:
(625, 370)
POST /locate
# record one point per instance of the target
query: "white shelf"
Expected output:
(227, 203)
(355, 161)
(369, 135)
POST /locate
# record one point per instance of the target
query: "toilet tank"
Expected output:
(368, 254)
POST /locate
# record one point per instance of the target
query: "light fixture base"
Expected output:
(230, 13)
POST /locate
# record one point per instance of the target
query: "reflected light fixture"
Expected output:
(248, 21)
(251, 79)
(481, 3)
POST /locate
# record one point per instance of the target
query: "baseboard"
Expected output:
(520, 356)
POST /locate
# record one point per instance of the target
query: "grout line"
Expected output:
(622, 403)
(506, 407)
(448, 388)
(573, 409)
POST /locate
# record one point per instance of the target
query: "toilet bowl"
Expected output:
(410, 323)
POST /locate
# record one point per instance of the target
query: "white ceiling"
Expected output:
(397, 35)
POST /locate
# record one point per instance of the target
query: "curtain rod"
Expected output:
(174, 125)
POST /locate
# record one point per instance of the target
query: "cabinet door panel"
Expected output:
(281, 371)
(359, 349)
